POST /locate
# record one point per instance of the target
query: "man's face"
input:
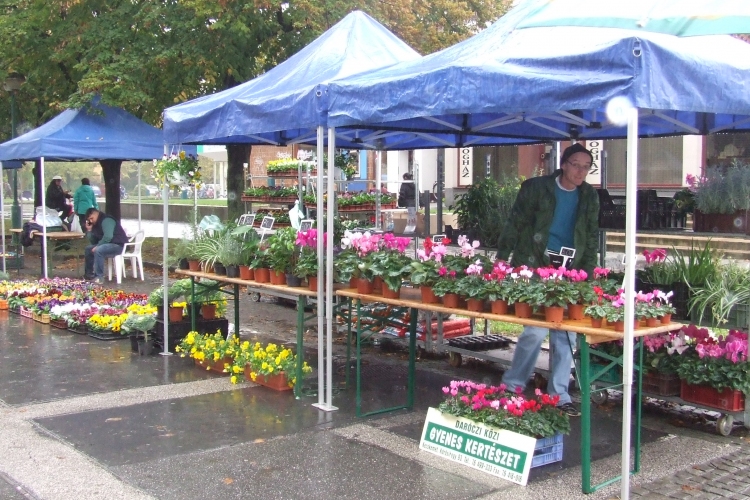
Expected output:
(91, 219)
(575, 169)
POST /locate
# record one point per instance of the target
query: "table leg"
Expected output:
(236, 288)
(583, 347)
(301, 304)
(412, 357)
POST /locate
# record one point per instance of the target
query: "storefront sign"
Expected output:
(595, 174)
(465, 166)
(501, 453)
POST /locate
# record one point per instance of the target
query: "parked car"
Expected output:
(97, 190)
(153, 190)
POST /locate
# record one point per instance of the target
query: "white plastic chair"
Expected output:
(132, 251)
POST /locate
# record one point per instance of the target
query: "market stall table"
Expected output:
(587, 336)
(52, 235)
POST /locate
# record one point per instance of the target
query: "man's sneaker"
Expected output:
(571, 410)
(89, 277)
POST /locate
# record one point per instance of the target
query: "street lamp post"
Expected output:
(12, 84)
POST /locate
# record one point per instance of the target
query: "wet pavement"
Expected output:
(84, 418)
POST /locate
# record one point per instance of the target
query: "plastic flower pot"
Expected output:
(312, 283)
(652, 322)
(499, 307)
(377, 285)
(428, 296)
(364, 286)
(175, 314)
(554, 314)
(575, 311)
(666, 319)
(247, 273)
(476, 305)
(597, 322)
(390, 294)
(278, 277)
(263, 275)
(208, 311)
(292, 280)
(451, 300)
(194, 265)
(522, 309)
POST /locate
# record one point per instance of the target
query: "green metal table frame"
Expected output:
(586, 337)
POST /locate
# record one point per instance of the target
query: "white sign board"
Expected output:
(504, 454)
(465, 166)
(595, 174)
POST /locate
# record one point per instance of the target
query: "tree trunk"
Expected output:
(111, 174)
(237, 155)
(38, 188)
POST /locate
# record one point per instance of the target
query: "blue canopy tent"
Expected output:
(285, 106)
(92, 133)
(555, 83)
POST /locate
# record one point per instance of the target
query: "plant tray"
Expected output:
(14, 310)
(59, 323)
(26, 313)
(739, 317)
(661, 384)
(480, 343)
(721, 223)
(548, 450)
(214, 366)
(611, 376)
(728, 399)
(80, 329)
(106, 335)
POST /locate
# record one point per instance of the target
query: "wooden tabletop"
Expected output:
(409, 298)
(289, 290)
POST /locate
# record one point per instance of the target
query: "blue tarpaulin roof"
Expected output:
(287, 103)
(549, 84)
(91, 133)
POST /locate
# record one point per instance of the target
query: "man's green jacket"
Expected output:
(526, 232)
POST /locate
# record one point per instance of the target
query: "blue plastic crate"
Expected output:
(548, 450)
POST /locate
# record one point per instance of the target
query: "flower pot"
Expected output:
(312, 283)
(292, 280)
(428, 296)
(354, 283)
(575, 311)
(194, 265)
(3, 304)
(652, 322)
(451, 300)
(476, 305)
(278, 277)
(391, 294)
(554, 314)
(619, 326)
(208, 268)
(233, 271)
(263, 275)
(214, 366)
(208, 311)
(666, 319)
(175, 314)
(183, 264)
(377, 285)
(277, 382)
(596, 322)
(220, 269)
(364, 286)
(499, 307)
(160, 312)
(246, 273)
(522, 309)
(145, 347)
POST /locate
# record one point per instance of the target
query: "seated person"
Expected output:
(107, 238)
(57, 199)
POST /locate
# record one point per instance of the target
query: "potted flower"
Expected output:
(307, 261)
(555, 292)
(269, 366)
(282, 254)
(261, 263)
(177, 168)
(210, 298)
(472, 285)
(616, 314)
(210, 351)
(714, 369)
(362, 246)
(424, 270)
(229, 253)
(139, 323)
(446, 287)
(496, 407)
(390, 264)
(498, 288)
(523, 291)
(721, 199)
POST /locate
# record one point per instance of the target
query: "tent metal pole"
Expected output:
(2, 219)
(165, 268)
(44, 225)
(139, 196)
(630, 221)
(331, 212)
(321, 269)
(378, 188)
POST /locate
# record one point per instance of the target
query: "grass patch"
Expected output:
(221, 202)
(501, 328)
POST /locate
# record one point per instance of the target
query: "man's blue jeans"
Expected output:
(527, 351)
(95, 260)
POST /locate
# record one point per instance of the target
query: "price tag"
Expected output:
(438, 238)
(306, 225)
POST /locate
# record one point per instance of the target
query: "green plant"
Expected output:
(392, 266)
(724, 189)
(156, 297)
(484, 209)
(177, 169)
(698, 265)
(207, 249)
(729, 288)
(597, 310)
(494, 406)
(209, 347)
(266, 361)
(229, 251)
(139, 323)
(307, 264)
(282, 252)
(346, 265)
(660, 269)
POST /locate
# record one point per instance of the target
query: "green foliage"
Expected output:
(345, 265)
(307, 264)
(390, 265)
(724, 189)
(719, 373)
(282, 251)
(698, 266)
(484, 209)
(729, 288)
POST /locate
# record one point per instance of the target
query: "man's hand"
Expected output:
(93, 250)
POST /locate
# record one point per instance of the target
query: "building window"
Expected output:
(659, 161)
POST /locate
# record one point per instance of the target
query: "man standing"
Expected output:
(107, 238)
(551, 212)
